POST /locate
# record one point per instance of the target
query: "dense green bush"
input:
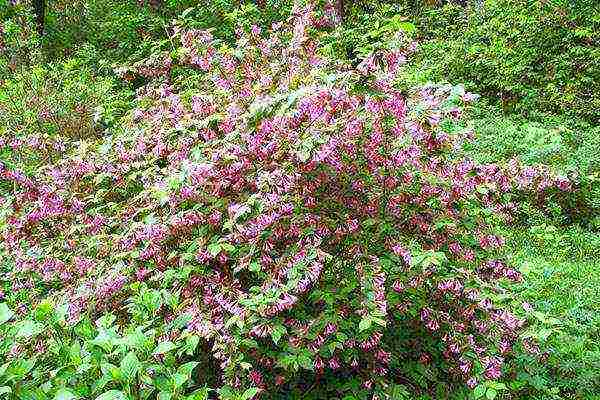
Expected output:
(524, 54)
(569, 147)
(561, 271)
(19, 42)
(128, 30)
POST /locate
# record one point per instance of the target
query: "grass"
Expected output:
(562, 280)
(559, 261)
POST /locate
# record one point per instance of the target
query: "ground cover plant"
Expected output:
(279, 210)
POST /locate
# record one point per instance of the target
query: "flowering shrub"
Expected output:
(263, 216)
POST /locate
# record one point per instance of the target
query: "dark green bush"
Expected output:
(523, 54)
(19, 42)
(129, 30)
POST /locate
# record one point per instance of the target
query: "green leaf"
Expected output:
(5, 313)
(406, 27)
(112, 395)
(65, 394)
(364, 324)
(5, 390)
(250, 393)
(179, 380)
(164, 347)
(277, 333)
(130, 365)
(491, 394)
(164, 396)
(187, 368)
(29, 328)
(106, 321)
(214, 249)
(201, 394)
(305, 361)
(191, 342)
(479, 391)
(43, 310)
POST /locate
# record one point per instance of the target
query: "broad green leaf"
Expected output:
(364, 324)
(491, 394)
(214, 249)
(277, 333)
(106, 321)
(187, 368)
(250, 393)
(179, 379)
(112, 395)
(130, 365)
(5, 313)
(65, 394)
(164, 396)
(43, 310)
(28, 329)
(164, 347)
(191, 342)
(479, 391)
(20, 368)
(201, 394)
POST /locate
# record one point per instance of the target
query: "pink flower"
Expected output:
(334, 363)
(215, 218)
(255, 30)
(471, 383)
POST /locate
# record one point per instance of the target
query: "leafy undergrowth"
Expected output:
(557, 256)
(561, 281)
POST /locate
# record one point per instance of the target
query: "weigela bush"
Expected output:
(294, 215)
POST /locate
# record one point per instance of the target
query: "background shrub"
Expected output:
(523, 54)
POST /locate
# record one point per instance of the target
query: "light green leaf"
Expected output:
(214, 249)
(5, 390)
(179, 380)
(201, 394)
(364, 324)
(164, 396)
(277, 333)
(187, 368)
(106, 321)
(250, 393)
(28, 328)
(191, 342)
(491, 394)
(479, 391)
(5, 313)
(112, 395)
(65, 394)
(130, 365)
(164, 347)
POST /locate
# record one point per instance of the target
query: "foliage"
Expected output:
(18, 38)
(567, 146)
(560, 284)
(367, 28)
(292, 210)
(129, 30)
(525, 54)
(54, 105)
